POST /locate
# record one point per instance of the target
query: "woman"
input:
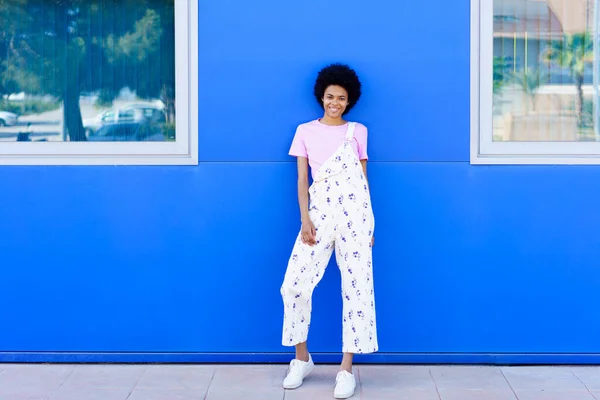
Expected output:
(335, 212)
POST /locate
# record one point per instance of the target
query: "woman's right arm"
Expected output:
(303, 188)
(308, 229)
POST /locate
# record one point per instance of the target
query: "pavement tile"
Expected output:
(469, 377)
(76, 393)
(176, 377)
(14, 392)
(548, 379)
(555, 395)
(167, 394)
(105, 376)
(404, 377)
(398, 394)
(590, 376)
(475, 394)
(37, 377)
(396, 382)
(248, 382)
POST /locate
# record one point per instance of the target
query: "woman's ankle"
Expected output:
(302, 352)
(347, 368)
(347, 362)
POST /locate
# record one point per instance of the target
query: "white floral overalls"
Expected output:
(340, 209)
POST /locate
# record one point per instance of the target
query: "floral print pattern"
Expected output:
(340, 209)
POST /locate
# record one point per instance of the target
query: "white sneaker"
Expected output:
(297, 372)
(345, 383)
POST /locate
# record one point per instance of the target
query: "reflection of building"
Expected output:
(523, 27)
(541, 18)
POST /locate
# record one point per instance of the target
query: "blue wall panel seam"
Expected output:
(324, 358)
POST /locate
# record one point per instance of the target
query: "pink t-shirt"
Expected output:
(317, 142)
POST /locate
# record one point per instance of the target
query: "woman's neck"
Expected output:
(326, 120)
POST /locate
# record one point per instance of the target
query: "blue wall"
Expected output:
(472, 263)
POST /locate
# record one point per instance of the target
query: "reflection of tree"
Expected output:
(573, 53)
(137, 45)
(500, 66)
(13, 72)
(64, 47)
(530, 80)
(140, 45)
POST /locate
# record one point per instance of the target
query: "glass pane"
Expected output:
(70, 68)
(126, 116)
(545, 86)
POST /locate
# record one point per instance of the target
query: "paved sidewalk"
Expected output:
(263, 382)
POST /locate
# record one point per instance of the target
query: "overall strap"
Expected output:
(350, 131)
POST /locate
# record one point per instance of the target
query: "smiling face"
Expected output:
(335, 101)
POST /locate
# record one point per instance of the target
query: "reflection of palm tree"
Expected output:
(573, 53)
(499, 70)
(529, 80)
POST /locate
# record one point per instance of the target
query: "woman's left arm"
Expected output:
(364, 167)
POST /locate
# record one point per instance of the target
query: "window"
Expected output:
(108, 116)
(98, 82)
(534, 82)
(126, 115)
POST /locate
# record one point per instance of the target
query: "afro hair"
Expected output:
(339, 75)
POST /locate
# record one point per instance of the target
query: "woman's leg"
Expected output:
(354, 258)
(347, 362)
(305, 270)
(353, 253)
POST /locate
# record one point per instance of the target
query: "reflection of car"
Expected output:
(127, 132)
(151, 113)
(8, 118)
(131, 113)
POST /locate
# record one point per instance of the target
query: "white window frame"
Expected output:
(183, 151)
(483, 149)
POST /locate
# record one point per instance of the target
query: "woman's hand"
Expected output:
(308, 233)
